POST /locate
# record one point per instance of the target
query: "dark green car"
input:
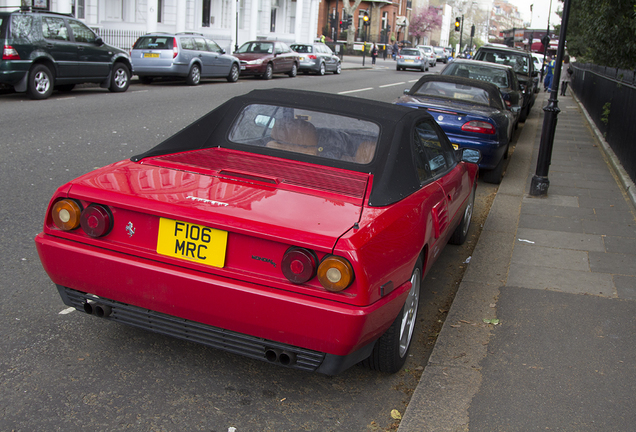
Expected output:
(43, 51)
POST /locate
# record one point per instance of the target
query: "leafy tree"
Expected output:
(424, 22)
(603, 32)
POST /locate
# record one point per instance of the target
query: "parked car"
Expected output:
(472, 113)
(502, 76)
(264, 58)
(317, 58)
(288, 226)
(411, 58)
(43, 51)
(428, 53)
(191, 56)
(440, 54)
(522, 63)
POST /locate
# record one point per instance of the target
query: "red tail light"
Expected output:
(299, 265)
(479, 127)
(9, 53)
(508, 104)
(175, 48)
(96, 220)
(311, 56)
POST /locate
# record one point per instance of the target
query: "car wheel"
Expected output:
(338, 69)
(391, 350)
(321, 71)
(120, 79)
(269, 72)
(461, 232)
(294, 71)
(524, 114)
(145, 80)
(397, 68)
(494, 175)
(234, 73)
(194, 76)
(40, 82)
(65, 87)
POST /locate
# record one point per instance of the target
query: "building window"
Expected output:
(159, 10)
(272, 25)
(205, 19)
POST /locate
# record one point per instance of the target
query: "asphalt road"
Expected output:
(69, 371)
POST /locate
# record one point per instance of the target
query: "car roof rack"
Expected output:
(190, 33)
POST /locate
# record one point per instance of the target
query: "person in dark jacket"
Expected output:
(374, 53)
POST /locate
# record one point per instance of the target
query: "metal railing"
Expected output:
(609, 96)
(123, 39)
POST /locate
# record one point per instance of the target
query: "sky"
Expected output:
(539, 15)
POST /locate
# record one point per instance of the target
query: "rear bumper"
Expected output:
(491, 151)
(174, 70)
(340, 331)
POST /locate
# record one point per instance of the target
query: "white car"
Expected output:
(429, 53)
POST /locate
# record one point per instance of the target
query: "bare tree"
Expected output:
(350, 9)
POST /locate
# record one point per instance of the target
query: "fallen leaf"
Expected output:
(465, 322)
(396, 415)
(455, 325)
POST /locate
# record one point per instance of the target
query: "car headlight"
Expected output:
(254, 62)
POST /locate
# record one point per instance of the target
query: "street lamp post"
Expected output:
(540, 182)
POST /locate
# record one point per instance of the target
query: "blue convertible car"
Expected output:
(471, 112)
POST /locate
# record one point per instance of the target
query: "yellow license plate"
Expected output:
(192, 242)
(152, 55)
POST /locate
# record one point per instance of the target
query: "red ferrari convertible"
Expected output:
(288, 226)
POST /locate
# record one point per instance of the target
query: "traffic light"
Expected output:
(472, 31)
(333, 21)
(388, 28)
(349, 22)
(458, 23)
(365, 18)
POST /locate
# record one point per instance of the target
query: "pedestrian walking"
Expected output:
(395, 50)
(566, 72)
(547, 82)
(374, 53)
(389, 48)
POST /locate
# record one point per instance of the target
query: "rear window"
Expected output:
(411, 52)
(325, 135)
(454, 91)
(304, 49)
(154, 42)
(483, 73)
(519, 62)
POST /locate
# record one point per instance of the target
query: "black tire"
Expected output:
(494, 175)
(461, 232)
(321, 70)
(391, 350)
(294, 71)
(338, 69)
(120, 79)
(524, 114)
(269, 72)
(65, 87)
(234, 73)
(194, 76)
(145, 80)
(398, 68)
(41, 81)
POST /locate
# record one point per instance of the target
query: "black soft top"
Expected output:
(494, 94)
(395, 175)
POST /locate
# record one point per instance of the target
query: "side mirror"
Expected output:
(515, 109)
(222, 51)
(406, 91)
(99, 41)
(470, 155)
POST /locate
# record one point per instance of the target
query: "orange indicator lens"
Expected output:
(66, 214)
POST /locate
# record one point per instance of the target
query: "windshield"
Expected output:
(519, 62)
(454, 91)
(313, 133)
(486, 73)
(256, 48)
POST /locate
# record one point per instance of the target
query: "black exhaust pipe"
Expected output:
(102, 311)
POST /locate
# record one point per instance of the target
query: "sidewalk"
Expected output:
(559, 273)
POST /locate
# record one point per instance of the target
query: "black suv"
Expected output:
(44, 50)
(523, 65)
